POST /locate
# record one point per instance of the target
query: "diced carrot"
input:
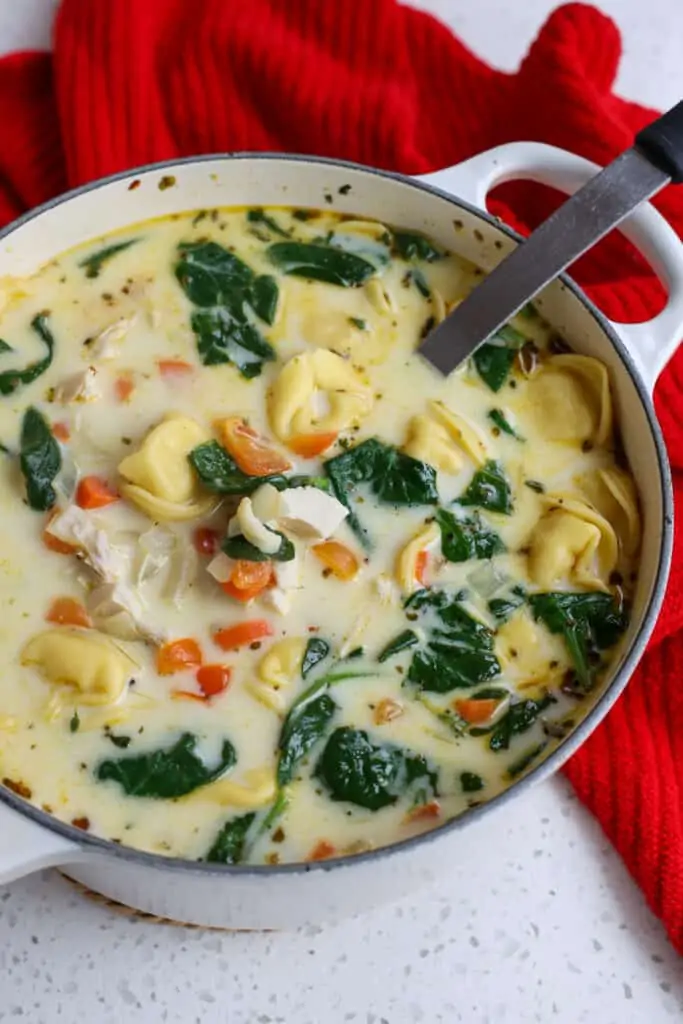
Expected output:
(248, 580)
(61, 431)
(205, 540)
(61, 547)
(213, 679)
(177, 656)
(338, 558)
(424, 812)
(251, 452)
(475, 711)
(174, 367)
(67, 611)
(124, 386)
(242, 633)
(387, 710)
(322, 851)
(421, 563)
(93, 492)
(310, 445)
(187, 695)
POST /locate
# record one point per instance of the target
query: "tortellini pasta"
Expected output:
(408, 564)
(528, 652)
(441, 437)
(159, 477)
(257, 790)
(277, 670)
(96, 668)
(613, 493)
(570, 400)
(317, 393)
(572, 541)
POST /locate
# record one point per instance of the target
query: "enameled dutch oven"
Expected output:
(449, 206)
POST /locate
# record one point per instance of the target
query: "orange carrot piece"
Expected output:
(67, 611)
(93, 492)
(213, 679)
(322, 851)
(338, 558)
(124, 386)
(187, 695)
(421, 563)
(248, 580)
(424, 812)
(177, 656)
(174, 367)
(310, 445)
(61, 431)
(242, 633)
(252, 453)
(61, 547)
(475, 711)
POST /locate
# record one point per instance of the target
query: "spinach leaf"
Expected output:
(224, 337)
(489, 488)
(229, 845)
(259, 216)
(5, 346)
(459, 652)
(403, 642)
(40, 460)
(412, 246)
(316, 651)
(222, 286)
(502, 607)
(263, 298)
(306, 722)
(467, 537)
(471, 782)
(372, 775)
(321, 263)
(219, 472)
(395, 478)
(517, 719)
(167, 773)
(498, 418)
(10, 380)
(525, 760)
(93, 263)
(494, 361)
(589, 623)
(240, 547)
(282, 483)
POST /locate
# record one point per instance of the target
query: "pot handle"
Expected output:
(650, 344)
(26, 847)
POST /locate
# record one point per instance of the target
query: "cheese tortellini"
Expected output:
(442, 438)
(258, 789)
(277, 671)
(613, 493)
(159, 477)
(96, 668)
(528, 652)
(408, 561)
(569, 400)
(317, 393)
(572, 541)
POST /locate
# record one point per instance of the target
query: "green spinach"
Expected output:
(219, 472)
(467, 537)
(410, 245)
(459, 652)
(316, 651)
(589, 623)
(403, 642)
(520, 716)
(494, 360)
(393, 477)
(5, 346)
(40, 460)
(10, 380)
(372, 775)
(167, 773)
(502, 607)
(240, 548)
(263, 298)
(222, 286)
(489, 488)
(229, 846)
(471, 782)
(498, 418)
(525, 760)
(320, 262)
(93, 263)
(259, 216)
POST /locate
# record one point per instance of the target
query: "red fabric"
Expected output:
(131, 82)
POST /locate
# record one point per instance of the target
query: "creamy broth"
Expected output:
(202, 663)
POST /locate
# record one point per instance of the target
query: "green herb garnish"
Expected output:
(498, 418)
(93, 263)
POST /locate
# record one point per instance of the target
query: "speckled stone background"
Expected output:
(540, 923)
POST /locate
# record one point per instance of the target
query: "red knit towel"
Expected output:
(132, 82)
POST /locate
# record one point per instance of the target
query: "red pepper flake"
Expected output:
(134, 184)
(322, 850)
(82, 823)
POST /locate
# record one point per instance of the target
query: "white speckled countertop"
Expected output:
(541, 925)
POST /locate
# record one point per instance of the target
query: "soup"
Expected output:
(273, 590)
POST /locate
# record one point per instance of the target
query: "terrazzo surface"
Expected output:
(538, 921)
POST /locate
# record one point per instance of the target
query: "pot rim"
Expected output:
(564, 750)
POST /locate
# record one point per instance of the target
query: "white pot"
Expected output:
(448, 206)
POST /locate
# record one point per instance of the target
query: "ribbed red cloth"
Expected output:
(131, 82)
